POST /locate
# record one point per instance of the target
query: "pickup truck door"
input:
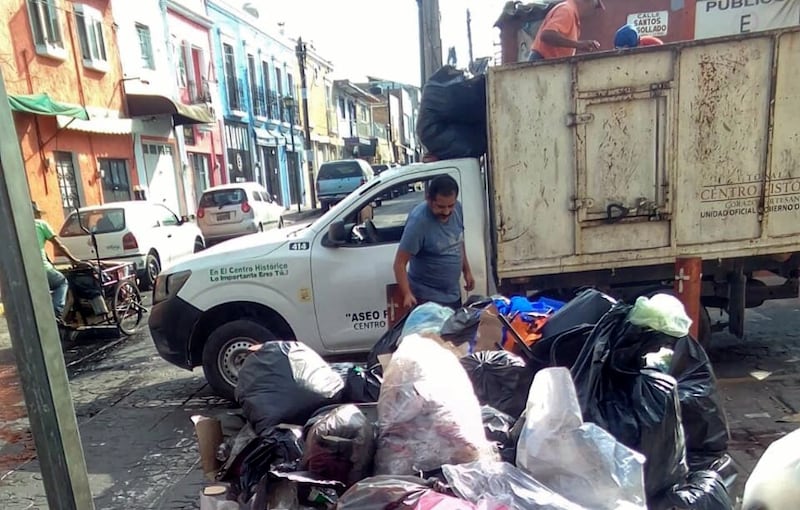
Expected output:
(350, 282)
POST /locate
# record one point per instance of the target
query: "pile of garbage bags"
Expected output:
(452, 114)
(505, 403)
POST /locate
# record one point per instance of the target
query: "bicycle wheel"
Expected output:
(128, 311)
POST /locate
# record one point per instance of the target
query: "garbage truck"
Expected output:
(602, 171)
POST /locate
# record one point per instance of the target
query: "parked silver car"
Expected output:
(234, 210)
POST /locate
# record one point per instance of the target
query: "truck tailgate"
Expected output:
(636, 158)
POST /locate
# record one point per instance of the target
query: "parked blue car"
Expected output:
(337, 179)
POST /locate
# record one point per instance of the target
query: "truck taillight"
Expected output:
(246, 207)
(129, 242)
(201, 212)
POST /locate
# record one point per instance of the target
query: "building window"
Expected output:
(256, 97)
(290, 82)
(46, 27)
(234, 101)
(89, 22)
(67, 181)
(145, 46)
(116, 186)
(188, 135)
(201, 167)
(182, 68)
(270, 100)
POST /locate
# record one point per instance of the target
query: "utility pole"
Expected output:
(469, 37)
(430, 38)
(34, 335)
(302, 53)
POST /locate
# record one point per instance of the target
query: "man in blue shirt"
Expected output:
(431, 257)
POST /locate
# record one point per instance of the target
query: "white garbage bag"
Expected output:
(775, 482)
(580, 461)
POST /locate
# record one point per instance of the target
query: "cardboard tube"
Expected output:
(209, 437)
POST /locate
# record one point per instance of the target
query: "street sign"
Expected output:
(717, 18)
(655, 24)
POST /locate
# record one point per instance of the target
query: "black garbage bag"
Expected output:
(387, 344)
(285, 382)
(498, 426)
(640, 408)
(704, 420)
(280, 447)
(586, 308)
(501, 379)
(462, 327)
(703, 490)
(452, 115)
(340, 445)
(362, 386)
(455, 96)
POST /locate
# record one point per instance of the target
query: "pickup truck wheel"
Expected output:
(225, 351)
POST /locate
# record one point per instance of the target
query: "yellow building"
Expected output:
(325, 140)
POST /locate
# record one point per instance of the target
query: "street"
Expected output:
(134, 413)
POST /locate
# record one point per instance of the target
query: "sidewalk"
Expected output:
(291, 216)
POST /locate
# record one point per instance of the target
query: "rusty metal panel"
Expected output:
(689, 128)
(630, 237)
(783, 192)
(722, 140)
(625, 70)
(532, 159)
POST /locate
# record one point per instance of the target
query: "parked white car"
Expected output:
(233, 210)
(149, 235)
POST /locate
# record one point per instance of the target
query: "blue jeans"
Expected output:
(535, 56)
(58, 289)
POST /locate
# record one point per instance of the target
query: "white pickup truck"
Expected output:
(603, 169)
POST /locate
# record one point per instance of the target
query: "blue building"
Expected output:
(258, 83)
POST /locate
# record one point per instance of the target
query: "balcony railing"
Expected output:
(273, 105)
(289, 116)
(235, 90)
(259, 102)
(199, 93)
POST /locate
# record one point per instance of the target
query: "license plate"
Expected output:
(223, 216)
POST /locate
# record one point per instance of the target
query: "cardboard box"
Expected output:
(490, 330)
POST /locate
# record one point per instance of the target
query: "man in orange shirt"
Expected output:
(559, 35)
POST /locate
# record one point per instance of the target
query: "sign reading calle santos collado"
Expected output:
(650, 23)
(717, 18)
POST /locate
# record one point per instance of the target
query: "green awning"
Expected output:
(41, 104)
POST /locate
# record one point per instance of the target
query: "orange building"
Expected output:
(77, 148)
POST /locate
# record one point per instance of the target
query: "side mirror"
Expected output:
(187, 219)
(337, 236)
(274, 198)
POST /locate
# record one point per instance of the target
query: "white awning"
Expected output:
(268, 137)
(100, 126)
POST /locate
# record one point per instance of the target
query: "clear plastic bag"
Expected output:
(340, 445)
(663, 313)
(428, 414)
(495, 485)
(427, 318)
(572, 457)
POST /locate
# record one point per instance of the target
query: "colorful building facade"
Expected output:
(64, 78)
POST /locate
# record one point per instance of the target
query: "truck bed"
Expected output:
(634, 158)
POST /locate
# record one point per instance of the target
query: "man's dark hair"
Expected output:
(443, 185)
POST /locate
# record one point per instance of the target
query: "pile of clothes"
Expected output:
(506, 403)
